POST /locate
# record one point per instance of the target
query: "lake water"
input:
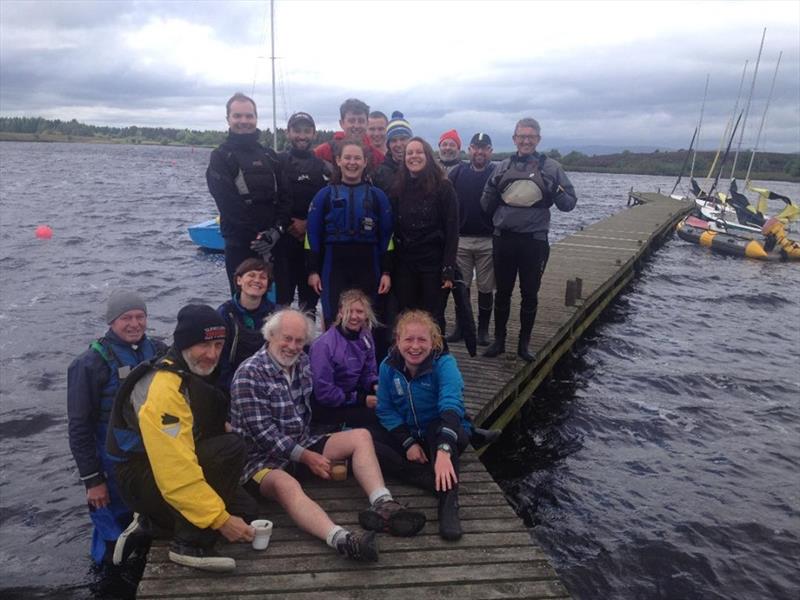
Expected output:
(661, 461)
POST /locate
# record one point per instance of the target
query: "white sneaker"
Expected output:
(126, 542)
(205, 559)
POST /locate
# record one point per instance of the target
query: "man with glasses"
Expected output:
(518, 197)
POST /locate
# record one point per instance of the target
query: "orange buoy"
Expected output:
(44, 232)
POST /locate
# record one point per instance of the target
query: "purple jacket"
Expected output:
(343, 367)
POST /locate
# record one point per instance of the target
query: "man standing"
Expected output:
(475, 232)
(354, 115)
(306, 175)
(176, 465)
(398, 132)
(376, 130)
(248, 186)
(271, 409)
(518, 197)
(449, 150)
(92, 382)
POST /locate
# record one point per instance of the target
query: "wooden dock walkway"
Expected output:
(497, 557)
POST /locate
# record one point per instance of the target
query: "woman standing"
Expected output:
(349, 233)
(421, 406)
(426, 231)
(244, 316)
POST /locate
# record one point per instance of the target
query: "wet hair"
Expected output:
(273, 323)
(247, 265)
(430, 178)
(338, 147)
(420, 317)
(355, 106)
(528, 122)
(239, 97)
(376, 114)
(350, 297)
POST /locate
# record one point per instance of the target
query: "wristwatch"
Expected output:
(445, 447)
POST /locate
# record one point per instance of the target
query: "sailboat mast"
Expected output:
(747, 107)
(763, 119)
(699, 126)
(272, 58)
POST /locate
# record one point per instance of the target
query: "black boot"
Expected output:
(449, 521)
(484, 315)
(455, 336)
(525, 327)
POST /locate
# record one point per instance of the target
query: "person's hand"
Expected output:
(236, 530)
(228, 427)
(297, 228)
(444, 472)
(265, 241)
(448, 275)
(385, 284)
(447, 284)
(315, 283)
(371, 401)
(97, 496)
(415, 453)
(319, 465)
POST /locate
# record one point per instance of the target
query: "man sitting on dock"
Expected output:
(518, 197)
(270, 407)
(177, 466)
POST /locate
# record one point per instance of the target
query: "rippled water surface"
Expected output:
(660, 462)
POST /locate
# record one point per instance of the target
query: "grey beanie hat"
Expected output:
(121, 301)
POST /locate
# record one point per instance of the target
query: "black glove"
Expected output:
(265, 241)
(552, 189)
(448, 274)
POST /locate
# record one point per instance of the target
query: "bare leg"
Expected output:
(356, 444)
(307, 514)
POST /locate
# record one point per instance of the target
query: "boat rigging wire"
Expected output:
(763, 119)
(685, 159)
(698, 128)
(747, 107)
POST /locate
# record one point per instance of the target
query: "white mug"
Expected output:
(263, 529)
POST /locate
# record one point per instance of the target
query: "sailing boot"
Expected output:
(449, 521)
(498, 347)
(457, 336)
(525, 327)
(484, 315)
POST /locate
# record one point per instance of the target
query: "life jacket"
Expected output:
(255, 168)
(306, 176)
(351, 215)
(121, 359)
(245, 341)
(521, 185)
(208, 404)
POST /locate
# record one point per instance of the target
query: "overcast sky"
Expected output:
(624, 74)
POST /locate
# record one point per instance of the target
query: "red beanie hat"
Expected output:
(453, 135)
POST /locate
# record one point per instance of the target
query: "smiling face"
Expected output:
(287, 341)
(300, 136)
(415, 344)
(253, 283)
(448, 150)
(526, 139)
(351, 163)
(130, 326)
(397, 147)
(415, 157)
(202, 358)
(356, 316)
(242, 117)
(354, 124)
(480, 155)
(376, 130)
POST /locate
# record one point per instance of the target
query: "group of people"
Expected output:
(179, 441)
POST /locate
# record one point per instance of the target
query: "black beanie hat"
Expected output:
(197, 323)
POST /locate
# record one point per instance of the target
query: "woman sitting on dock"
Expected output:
(421, 405)
(343, 368)
(244, 316)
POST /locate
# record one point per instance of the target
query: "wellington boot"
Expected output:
(522, 350)
(449, 521)
(455, 336)
(484, 315)
(497, 348)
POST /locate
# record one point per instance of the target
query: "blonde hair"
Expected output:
(424, 318)
(350, 297)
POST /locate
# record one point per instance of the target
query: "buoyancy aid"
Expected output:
(306, 175)
(255, 167)
(521, 184)
(208, 404)
(352, 215)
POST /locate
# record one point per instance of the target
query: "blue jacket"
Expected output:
(92, 384)
(244, 336)
(343, 367)
(407, 406)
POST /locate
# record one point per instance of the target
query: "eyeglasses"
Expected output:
(526, 138)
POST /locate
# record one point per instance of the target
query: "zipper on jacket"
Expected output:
(411, 404)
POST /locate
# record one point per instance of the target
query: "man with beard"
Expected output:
(270, 407)
(449, 150)
(306, 175)
(177, 464)
(249, 188)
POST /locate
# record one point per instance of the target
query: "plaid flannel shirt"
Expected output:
(272, 415)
